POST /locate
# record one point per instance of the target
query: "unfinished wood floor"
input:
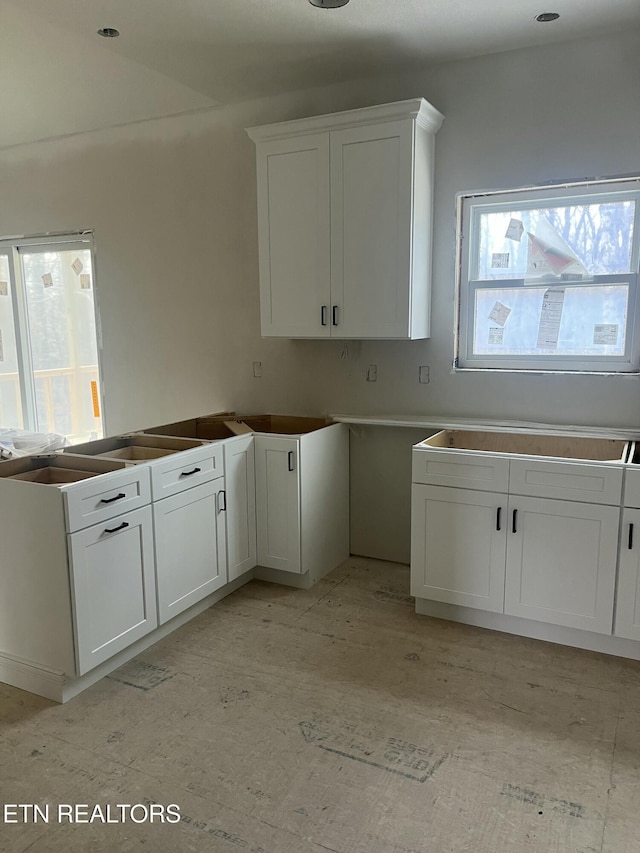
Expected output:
(335, 719)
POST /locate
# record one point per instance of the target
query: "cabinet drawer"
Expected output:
(181, 471)
(463, 470)
(100, 498)
(566, 481)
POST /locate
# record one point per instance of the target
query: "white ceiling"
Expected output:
(59, 77)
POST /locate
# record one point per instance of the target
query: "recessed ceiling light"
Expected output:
(543, 17)
(328, 4)
(108, 33)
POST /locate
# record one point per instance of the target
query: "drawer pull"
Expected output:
(115, 529)
(630, 543)
(189, 473)
(111, 500)
(334, 312)
(514, 526)
(498, 517)
(323, 315)
(290, 461)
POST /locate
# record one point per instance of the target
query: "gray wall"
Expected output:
(172, 203)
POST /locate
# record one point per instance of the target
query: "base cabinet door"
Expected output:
(278, 503)
(458, 543)
(190, 547)
(113, 586)
(240, 486)
(627, 622)
(561, 562)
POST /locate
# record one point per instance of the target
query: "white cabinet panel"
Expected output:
(627, 622)
(566, 481)
(184, 470)
(344, 222)
(293, 220)
(190, 547)
(561, 562)
(462, 470)
(371, 215)
(99, 498)
(240, 487)
(458, 546)
(113, 586)
(278, 503)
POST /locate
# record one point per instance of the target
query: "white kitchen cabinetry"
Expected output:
(77, 564)
(458, 542)
(528, 550)
(190, 547)
(278, 502)
(627, 621)
(240, 487)
(302, 501)
(344, 222)
(112, 586)
(561, 562)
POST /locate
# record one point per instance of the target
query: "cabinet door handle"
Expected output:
(115, 529)
(290, 460)
(189, 473)
(630, 537)
(498, 517)
(334, 315)
(222, 501)
(111, 500)
(514, 526)
(323, 315)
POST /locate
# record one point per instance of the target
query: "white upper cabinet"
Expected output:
(344, 223)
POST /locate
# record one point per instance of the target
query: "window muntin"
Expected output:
(548, 279)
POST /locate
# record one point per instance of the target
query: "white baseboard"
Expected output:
(604, 643)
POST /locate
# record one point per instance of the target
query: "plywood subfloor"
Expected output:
(335, 719)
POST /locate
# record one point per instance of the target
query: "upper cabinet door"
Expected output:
(293, 226)
(371, 218)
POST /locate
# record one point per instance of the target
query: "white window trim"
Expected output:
(464, 360)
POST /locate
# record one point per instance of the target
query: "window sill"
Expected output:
(539, 372)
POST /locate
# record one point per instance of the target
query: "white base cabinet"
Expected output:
(190, 547)
(240, 488)
(561, 562)
(521, 552)
(458, 542)
(627, 623)
(113, 587)
(278, 502)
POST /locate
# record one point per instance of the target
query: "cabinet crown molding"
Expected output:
(424, 114)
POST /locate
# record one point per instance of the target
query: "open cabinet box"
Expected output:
(56, 469)
(133, 449)
(531, 444)
(216, 427)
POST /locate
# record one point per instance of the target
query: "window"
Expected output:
(548, 278)
(49, 377)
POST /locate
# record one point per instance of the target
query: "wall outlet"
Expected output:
(372, 373)
(423, 374)
(257, 369)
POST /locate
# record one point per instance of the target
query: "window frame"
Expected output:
(468, 208)
(12, 248)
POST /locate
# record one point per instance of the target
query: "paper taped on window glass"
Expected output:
(85, 281)
(515, 230)
(4, 288)
(77, 266)
(500, 260)
(496, 335)
(550, 317)
(605, 334)
(47, 279)
(500, 313)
